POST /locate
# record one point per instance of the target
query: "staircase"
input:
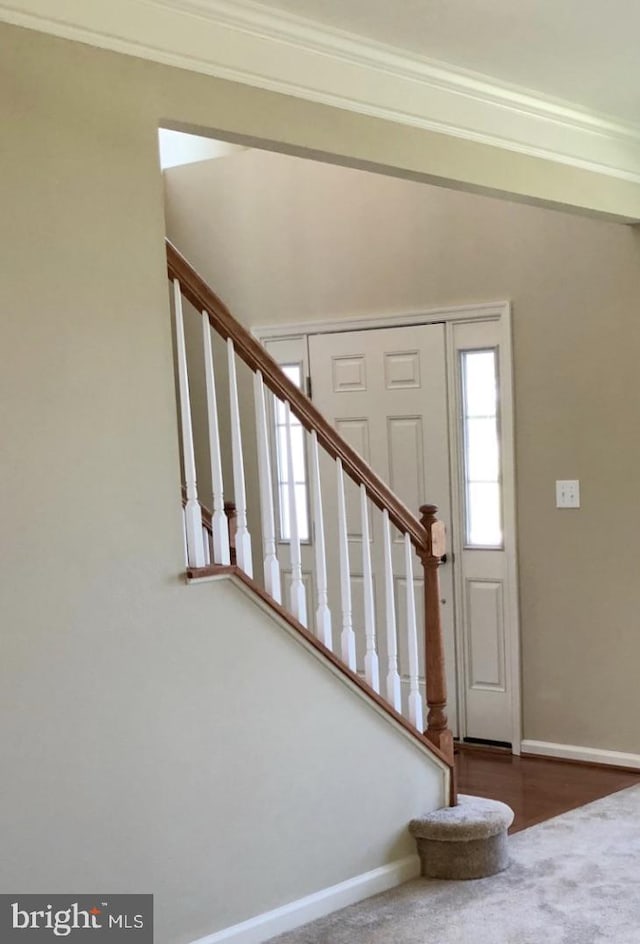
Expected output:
(218, 544)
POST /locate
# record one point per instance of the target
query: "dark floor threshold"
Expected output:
(482, 746)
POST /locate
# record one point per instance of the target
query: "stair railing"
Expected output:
(207, 534)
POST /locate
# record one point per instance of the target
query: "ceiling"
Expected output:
(582, 51)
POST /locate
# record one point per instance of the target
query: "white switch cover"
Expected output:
(568, 493)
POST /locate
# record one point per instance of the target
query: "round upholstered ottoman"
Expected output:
(464, 841)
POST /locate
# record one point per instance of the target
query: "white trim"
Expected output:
(457, 517)
(299, 638)
(317, 905)
(303, 58)
(511, 603)
(484, 311)
(590, 755)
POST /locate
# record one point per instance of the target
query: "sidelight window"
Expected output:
(481, 439)
(299, 463)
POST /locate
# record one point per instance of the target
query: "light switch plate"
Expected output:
(567, 493)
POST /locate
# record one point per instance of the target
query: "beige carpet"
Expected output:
(572, 880)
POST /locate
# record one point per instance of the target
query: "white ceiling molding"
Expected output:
(247, 42)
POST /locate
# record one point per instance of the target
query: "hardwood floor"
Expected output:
(535, 788)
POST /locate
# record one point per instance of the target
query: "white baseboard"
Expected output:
(321, 903)
(591, 755)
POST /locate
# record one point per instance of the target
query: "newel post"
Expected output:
(438, 731)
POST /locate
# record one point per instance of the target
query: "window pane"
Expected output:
(483, 517)
(480, 383)
(281, 449)
(301, 508)
(279, 411)
(297, 449)
(283, 502)
(483, 464)
(481, 448)
(294, 373)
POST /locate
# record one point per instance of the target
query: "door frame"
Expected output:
(499, 312)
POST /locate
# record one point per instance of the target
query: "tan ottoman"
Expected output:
(464, 841)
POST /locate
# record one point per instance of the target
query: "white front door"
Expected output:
(385, 391)
(429, 407)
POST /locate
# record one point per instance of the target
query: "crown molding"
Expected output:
(245, 41)
(283, 26)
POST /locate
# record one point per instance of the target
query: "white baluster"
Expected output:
(371, 664)
(271, 566)
(243, 538)
(192, 510)
(348, 637)
(323, 613)
(393, 678)
(297, 595)
(219, 523)
(206, 546)
(184, 540)
(415, 700)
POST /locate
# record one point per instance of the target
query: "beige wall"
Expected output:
(284, 240)
(110, 721)
(137, 755)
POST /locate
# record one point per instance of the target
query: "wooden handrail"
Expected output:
(256, 357)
